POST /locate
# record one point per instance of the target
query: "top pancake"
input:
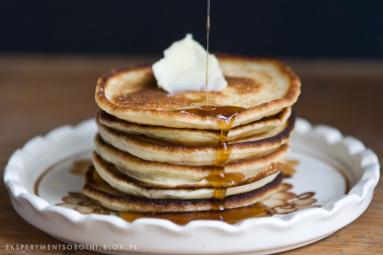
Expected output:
(262, 87)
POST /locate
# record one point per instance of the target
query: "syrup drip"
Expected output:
(225, 115)
(222, 156)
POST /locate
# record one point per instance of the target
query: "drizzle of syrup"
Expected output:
(217, 178)
(225, 115)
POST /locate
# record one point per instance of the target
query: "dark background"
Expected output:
(299, 28)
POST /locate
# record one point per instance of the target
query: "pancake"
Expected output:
(256, 88)
(133, 187)
(111, 172)
(181, 176)
(195, 136)
(99, 190)
(154, 150)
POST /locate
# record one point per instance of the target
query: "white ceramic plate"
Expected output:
(329, 163)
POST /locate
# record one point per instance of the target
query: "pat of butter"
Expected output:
(183, 68)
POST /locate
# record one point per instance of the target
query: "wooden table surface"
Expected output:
(38, 93)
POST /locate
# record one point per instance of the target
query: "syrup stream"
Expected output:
(207, 51)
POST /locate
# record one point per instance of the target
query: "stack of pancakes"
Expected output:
(192, 151)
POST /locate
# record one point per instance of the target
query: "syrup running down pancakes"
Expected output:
(172, 153)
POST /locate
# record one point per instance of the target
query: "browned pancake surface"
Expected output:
(261, 87)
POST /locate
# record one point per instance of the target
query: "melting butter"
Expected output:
(183, 68)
